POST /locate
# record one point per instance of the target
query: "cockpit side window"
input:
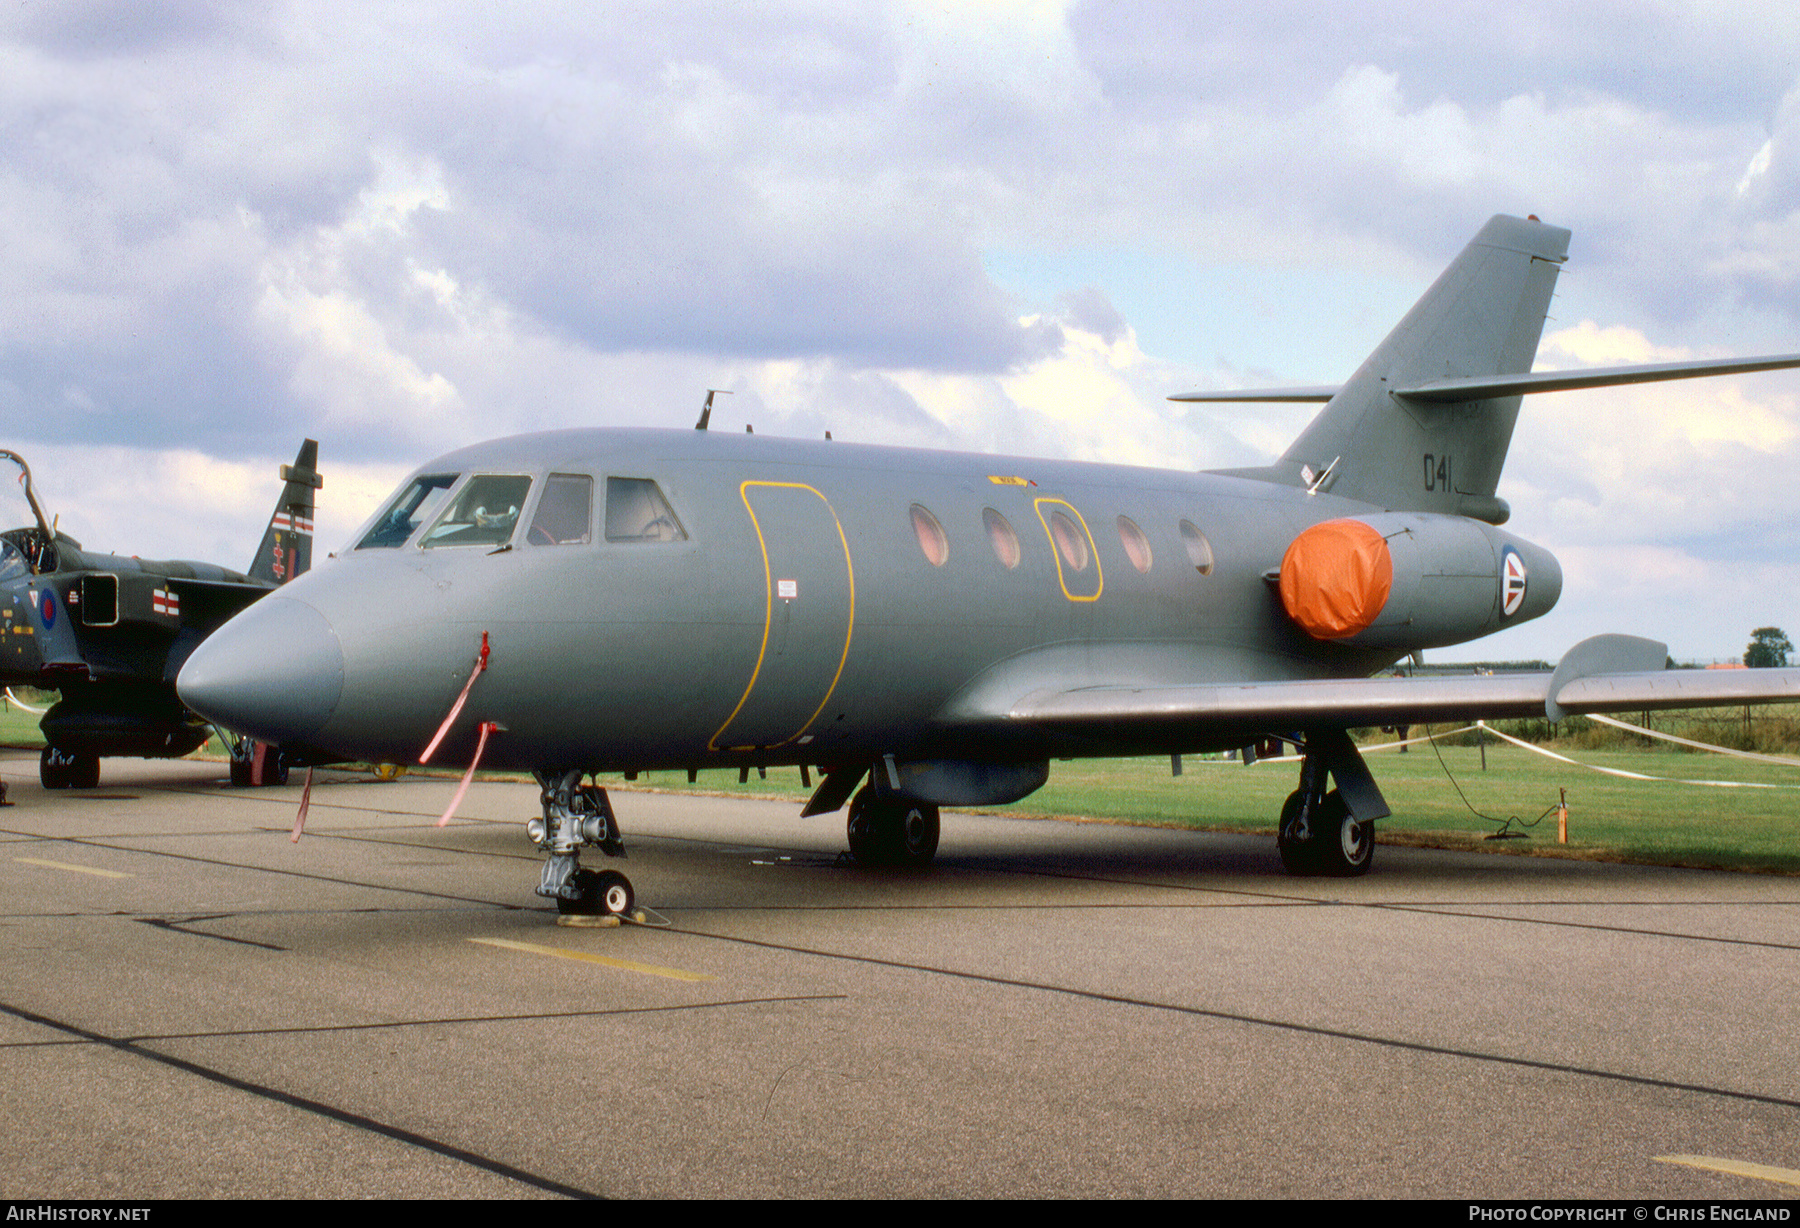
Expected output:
(12, 562)
(484, 513)
(414, 505)
(637, 512)
(565, 513)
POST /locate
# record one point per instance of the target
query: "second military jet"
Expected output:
(110, 633)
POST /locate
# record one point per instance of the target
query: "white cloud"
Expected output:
(402, 228)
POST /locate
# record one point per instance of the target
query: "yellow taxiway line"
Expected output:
(63, 865)
(1736, 1168)
(625, 965)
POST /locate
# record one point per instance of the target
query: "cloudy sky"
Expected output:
(1018, 226)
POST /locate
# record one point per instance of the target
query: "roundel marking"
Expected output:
(1512, 581)
(49, 610)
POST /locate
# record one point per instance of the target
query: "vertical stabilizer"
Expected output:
(1483, 316)
(286, 549)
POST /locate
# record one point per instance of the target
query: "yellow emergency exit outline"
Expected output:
(712, 743)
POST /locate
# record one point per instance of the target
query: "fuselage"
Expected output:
(105, 617)
(109, 633)
(747, 599)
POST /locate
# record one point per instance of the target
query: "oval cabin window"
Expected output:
(931, 536)
(1137, 546)
(1002, 536)
(1071, 542)
(1198, 548)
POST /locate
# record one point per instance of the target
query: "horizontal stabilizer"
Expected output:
(1477, 387)
(1317, 394)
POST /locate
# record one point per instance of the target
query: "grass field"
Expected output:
(1654, 822)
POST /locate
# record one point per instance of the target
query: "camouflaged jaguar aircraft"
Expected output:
(945, 624)
(109, 633)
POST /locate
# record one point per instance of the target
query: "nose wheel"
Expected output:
(605, 893)
(577, 816)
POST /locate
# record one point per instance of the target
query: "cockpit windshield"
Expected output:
(12, 562)
(414, 505)
(484, 513)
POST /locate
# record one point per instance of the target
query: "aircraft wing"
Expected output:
(207, 603)
(1603, 674)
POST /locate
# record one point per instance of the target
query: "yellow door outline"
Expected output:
(1056, 552)
(769, 612)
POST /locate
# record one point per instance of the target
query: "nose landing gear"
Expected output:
(577, 815)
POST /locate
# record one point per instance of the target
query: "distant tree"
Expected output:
(1768, 649)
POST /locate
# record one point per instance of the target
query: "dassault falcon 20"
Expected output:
(944, 624)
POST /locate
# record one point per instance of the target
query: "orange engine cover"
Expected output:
(1335, 578)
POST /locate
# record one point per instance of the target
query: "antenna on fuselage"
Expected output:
(706, 410)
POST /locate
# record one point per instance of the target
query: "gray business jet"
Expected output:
(944, 624)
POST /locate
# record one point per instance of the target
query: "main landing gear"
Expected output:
(68, 769)
(885, 830)
(575, 815)
(1330, 833)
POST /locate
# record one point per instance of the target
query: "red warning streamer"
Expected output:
(481, 664)
(305, 801)
(487, 727)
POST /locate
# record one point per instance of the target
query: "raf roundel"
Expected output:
(1512, 581)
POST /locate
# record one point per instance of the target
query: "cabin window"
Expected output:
(565, 513)
(931, 536)
(1137, 546)
(416, 503)
(12, 563)
(637, 512)
(1198, 548)
(1002, 537)
(1071, 542)
(484, 513)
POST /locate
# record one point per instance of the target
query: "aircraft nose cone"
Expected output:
(274, 672)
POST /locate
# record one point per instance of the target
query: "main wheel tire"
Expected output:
(84, 772)
(1298, 857)
(53, 771)
(240, 773)
(862, 827)
(915, 838)
(1346, 847)
(889, 832)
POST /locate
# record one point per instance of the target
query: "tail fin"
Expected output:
(286, 549)
(1482, 317)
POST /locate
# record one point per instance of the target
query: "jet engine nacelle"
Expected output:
(1411, 580)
